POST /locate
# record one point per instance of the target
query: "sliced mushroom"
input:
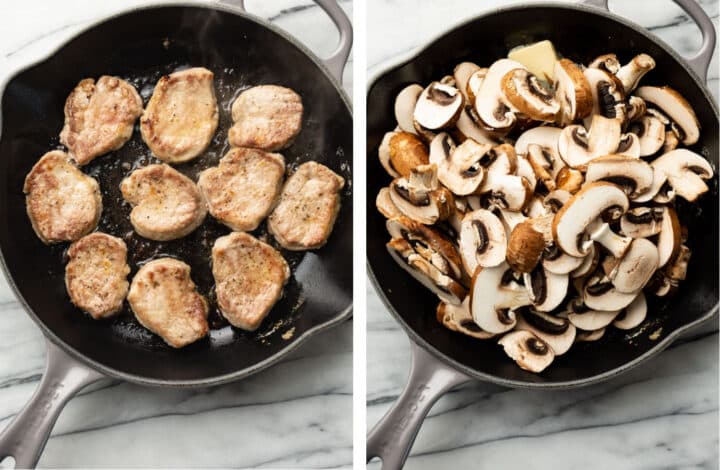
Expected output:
(405, 106)
(557, 332)
(635, 108)
(425, 134)
(586, 336)
(501, 159)
(676, 107)
(669, 239)
(438, 106)
(385, 205)
(635, 268)
(525, 170)
(545, 165)
(527, 350)
(650, 132)
(535, 207)
(671, 141)
(589, 264)
(509, 192)
(555, 200)
(492, 298)
(616, 245)
(685, 171)
(631, 73)
(407, 152)
(420, 197)
(458, 318)
(467, 127)
(428, 243)
(545, 136)
(491, 105)
(599, 293)
(482, 240)
(525, 246)
(525, 92)
(555, 261)
(448, 80)
(607, 62)
(633, 175)
(572, 91)
(443, 286)
(569, 180)
(633, 314)
(459, 168)
(608, 95)
(472, 89)
(571, 224)
(677, 268)
(588, 319)
(578, 146)
(384, 154)
(642, 222)
(545, 289)
(462, 73)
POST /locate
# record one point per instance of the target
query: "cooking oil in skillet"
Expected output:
(194, 249)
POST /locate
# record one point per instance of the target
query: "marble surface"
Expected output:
(663, 415)
(297, 414)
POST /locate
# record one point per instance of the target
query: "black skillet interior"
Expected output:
(579, 35)
(142, 46)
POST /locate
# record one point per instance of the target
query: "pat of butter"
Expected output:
(539, 58)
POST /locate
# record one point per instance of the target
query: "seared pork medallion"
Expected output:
(165, 301)
(62, 202)
(166, 204)
(96, 274)
(99, 117)
(536, 197)
(308, 205)
(182, 115)
(249, 277)
(241, 191)
(266, 117)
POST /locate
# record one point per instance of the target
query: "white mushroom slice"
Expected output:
(525, 169)
(671, 141)
(527, 350)
(586, 336)
(425, 134)
(588, 205)
(385, 205)
(631, 73)
(482, 240)
(419, 196)
(491, 299)
(555, 200)
(459, 168)
(384, 154)
(467, 128)
(509, 192)
(490, 104)
(458, 318)
(635, 268)
(616, 245)
(592, 319)
(407, 152)
(545, 136)
(511, 218)
(578, 146)
(472, 89)
(669, 239)
(524, 92)
(545, 289)
(633, 315)
(676, 107)
(635, 108)
(428, 243)
(462, 73)
(545, 166)
(633, 175)
(651, 134)
(599, 293)
(589, 264)
(443, 286)
(557, 262)
(642, 222)
(607, 62)
(685, 171)
(525, 245)
(438, 106)
(405, 107)
(572, 91)
(557, 332)
(501, 159)
(607, 94)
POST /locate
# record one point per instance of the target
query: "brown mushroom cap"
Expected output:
(407, 152)
(525, 92)
(572, 92)
(676, 107)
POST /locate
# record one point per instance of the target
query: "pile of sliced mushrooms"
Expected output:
(538, 201)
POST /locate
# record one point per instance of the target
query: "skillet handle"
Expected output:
(700, 62)
(393, 436)
(339, 57)
(25, 437)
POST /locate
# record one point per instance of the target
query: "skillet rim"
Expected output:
(382, 69)
(50, 335)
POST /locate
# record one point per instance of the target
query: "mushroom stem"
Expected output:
(631, 73)
(616, 244)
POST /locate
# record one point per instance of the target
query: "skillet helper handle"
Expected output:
(700, 62)
(339, 57)
(25, 437)
(393, 436)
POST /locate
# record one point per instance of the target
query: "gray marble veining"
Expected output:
(297, 414)
(661, 416)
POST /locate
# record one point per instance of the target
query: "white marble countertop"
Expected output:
(296, 414)
(660, 416)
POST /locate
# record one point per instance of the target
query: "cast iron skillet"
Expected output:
(443, 359)
(141, 45)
